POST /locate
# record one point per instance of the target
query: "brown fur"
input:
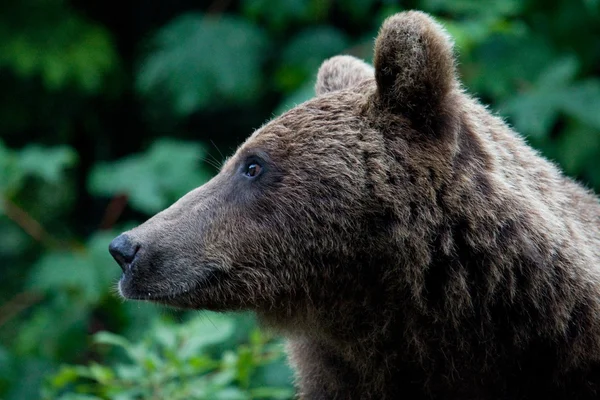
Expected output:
(341, 72)
(406, 241)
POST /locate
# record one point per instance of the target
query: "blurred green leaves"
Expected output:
(33, 162)
(177, 362)
(50, 41)
(154, 179)
(286, 13)
(45, 163)
(220, 59)
(535, 110)
(582, 102)
(557, 95)
(305, 52)
(200, 60)
(300, 60)
(85, 272)
(498, 8)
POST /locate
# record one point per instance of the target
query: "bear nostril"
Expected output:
(123, 250)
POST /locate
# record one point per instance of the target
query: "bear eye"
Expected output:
(253, 169)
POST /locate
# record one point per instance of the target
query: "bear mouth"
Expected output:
(134, 287)
(151, 294)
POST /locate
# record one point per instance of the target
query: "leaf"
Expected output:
(582, 101)
(558, 74)
(103, 375)
(277, 18)
(357, 10)
(66, 270)
(230, 393)
(278, 393)
(302, 94)
(85, 271)
(78, 396)
(100, 261)
(204, 331)
(105, 337)
(276, 373)
(65, 376)
(201, 61)
(222, 378)
(305, 52)
(469, 33)
(152, 180)
(577, 147)
(475, 7)
(75, 51)
(52, 337)
(535, 111)
(29, 376)
(135, 393)
(166, 336)
(131, 373)
(245, 365)
(505, 63)
(137, 352)
(46, 163)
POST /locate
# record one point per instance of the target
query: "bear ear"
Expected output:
(414, 66)
(341, 72)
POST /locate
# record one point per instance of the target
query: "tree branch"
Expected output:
(24, 220)
(17, 304)
(113, 211)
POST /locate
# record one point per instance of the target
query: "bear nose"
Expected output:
(123, 250)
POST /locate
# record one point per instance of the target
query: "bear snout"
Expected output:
(123, 250)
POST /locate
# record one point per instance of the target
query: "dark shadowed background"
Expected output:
(109, 111)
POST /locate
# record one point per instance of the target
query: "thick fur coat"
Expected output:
(406, 241)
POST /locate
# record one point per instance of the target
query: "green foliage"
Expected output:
(305, 52)
(75, 51)
(154, 179)
(176, 362)
(102, 125)
(201, 59)
(81, 272)
(501, 8)
(33, 161)
(286, 12)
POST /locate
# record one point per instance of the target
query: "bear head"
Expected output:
(322, 202)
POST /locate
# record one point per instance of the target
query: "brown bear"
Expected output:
(406, 241)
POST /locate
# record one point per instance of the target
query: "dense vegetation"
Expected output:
(106, 117)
